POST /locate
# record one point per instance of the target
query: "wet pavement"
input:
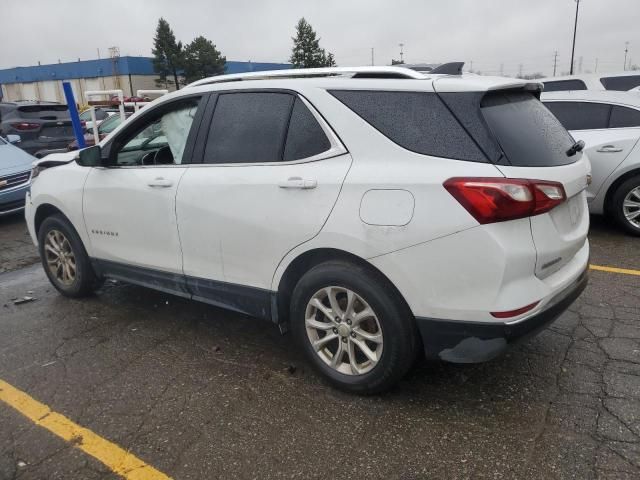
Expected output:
(201, 393)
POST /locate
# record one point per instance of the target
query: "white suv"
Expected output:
(376, 212)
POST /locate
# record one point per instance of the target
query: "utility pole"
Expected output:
(372, 56)
(580, 64)
(555, 62)
(402, 52)
(575, 28)
(471, 66)
(596, 69)
(520, 71)
(626, 50)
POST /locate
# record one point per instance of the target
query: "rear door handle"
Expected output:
(609, 149)
(300, 183)
(160, 183)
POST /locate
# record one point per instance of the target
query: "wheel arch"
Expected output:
(309, 259)
(608, 199)
(42, 212)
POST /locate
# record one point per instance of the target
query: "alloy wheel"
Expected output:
(631, 207)
(60, 258)
(344, 331)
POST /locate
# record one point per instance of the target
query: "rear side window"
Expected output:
(624, 117)
(623, 83)
(417, 121)
(563, 85)
(305, 137)
(528, 133)
(248, 128)
(581, 115)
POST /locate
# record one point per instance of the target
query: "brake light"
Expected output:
(516, 312)
(25, 126)
(491, 200)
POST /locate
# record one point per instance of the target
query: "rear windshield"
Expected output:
(45, 112)
(528, 133)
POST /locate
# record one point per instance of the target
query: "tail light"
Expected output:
(25, 126)
(516, 312)
(491, 200)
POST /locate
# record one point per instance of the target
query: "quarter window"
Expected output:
(417, 121)
(622, 83)
(563, 85)
(624, 117)
(581, 115)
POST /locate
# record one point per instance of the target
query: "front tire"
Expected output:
(65, 259)
(626, 205)
(353, 327)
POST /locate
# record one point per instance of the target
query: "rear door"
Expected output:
(610, 133)
(271, 172)
(535, 147)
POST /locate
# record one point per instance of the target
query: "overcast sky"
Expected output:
(487, 32)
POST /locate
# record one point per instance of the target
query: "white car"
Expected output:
(623, 81)
(375, 212)
(609, 124)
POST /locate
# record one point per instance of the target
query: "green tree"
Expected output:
(202, 59)
(167, 54)
(306, 51)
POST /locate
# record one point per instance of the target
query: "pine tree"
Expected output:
(306, 51)
(167, 53)
(202, 59)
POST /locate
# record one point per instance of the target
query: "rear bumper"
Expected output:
(473, 342)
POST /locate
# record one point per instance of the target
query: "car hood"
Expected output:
(54, 159)
(14, 160)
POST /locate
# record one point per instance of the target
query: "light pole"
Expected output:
(626, 50)
(401, 45)
(575, 28)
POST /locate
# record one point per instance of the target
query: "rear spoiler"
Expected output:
(42, 108)
(451, 68)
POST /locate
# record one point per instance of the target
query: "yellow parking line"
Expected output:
(120, 461)
(625, 271)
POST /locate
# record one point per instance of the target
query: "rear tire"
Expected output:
(365, 335)
(65, 259)
(625, 212)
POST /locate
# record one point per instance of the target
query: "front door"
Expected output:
(129, 206)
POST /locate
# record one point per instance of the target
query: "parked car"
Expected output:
(106, 127)
(607, 81)
(101, 115)
(15, 173)
(40, 125)
(376, 212)
(609, 124)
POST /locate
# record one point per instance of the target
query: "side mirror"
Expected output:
(13, 139)
(90, 157)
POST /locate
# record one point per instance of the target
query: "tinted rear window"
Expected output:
(624, 117)
(581, 115)
(623, 83)
(305, 137)
(528, 133)
(417, 121)
(248, 128)
(562, 85)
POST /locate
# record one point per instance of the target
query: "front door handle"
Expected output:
(299, 182)
(609, 149)
(160, 182)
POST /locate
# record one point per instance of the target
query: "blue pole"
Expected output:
(73, 111)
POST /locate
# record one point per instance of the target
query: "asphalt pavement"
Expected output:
(200, 393)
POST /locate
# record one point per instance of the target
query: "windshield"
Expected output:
(528, 133)
(110, 124)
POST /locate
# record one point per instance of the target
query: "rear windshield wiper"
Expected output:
(575, 148)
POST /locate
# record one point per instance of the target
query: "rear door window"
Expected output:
(530, 136)
(622, 117)
(581, 115)
(563, 85)
(417, 121)
(249, 127)
(622, 83)
(305, 137)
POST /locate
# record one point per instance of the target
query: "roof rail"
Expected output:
(354, 72)
(451, 68)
